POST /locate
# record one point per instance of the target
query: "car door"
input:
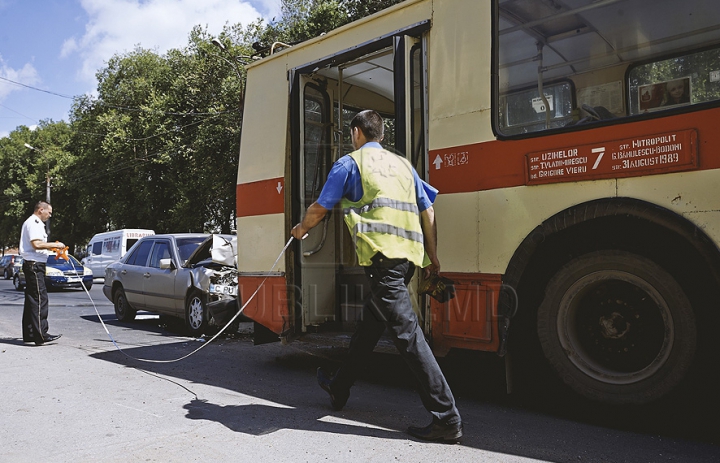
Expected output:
(132, 274)
(159, 284)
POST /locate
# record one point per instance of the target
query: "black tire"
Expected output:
(196, 314)
(88, 286)
(617, 328)
(123, 310)
(16, 283)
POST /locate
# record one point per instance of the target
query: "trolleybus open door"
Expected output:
(388, 76)
(316, 257)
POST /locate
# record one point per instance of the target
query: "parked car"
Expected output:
(10, 264)
(60, 274)
(178, 275)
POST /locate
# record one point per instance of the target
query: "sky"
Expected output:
(57, 46)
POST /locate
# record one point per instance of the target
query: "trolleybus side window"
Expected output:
(613, 68)
(678, 81)
(317, 140)
(525, 111)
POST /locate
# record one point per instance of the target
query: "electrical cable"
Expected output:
(206, 343)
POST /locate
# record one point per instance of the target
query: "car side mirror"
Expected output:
(167, 264)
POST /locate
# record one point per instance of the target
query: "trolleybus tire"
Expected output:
(617, 328)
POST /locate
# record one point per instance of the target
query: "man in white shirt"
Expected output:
(34, 248)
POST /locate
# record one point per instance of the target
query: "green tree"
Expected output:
(157, 146)
(26, 173)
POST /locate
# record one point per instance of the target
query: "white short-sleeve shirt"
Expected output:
(33, 229)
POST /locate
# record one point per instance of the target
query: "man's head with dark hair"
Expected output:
(41, 205)
(370, 123)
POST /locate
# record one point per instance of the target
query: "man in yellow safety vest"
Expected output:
(388, 210)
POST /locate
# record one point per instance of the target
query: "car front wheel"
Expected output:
(17, 284)
(196, 314)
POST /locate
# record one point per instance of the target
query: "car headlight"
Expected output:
(87, 271)
(53, 272)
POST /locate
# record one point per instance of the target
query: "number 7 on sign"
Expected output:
(600, 156)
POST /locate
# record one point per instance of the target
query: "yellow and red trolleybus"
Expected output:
(576, 148)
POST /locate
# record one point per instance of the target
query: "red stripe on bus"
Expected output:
(262, 197)
(269, 307)
(503, 164)
(508, 163)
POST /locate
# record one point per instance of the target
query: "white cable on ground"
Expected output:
(205, 344)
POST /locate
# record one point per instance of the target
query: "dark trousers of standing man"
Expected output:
(389, 305)
(35, 312)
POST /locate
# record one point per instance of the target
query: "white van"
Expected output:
(105, 248)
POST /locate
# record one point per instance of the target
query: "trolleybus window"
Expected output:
(317, 141)
(621, 58)
(686, 79)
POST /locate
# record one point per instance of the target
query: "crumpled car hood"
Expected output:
(214, 269)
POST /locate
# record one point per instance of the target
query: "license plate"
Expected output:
(73, 279)
(224, 289)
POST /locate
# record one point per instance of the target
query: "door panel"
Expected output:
(159, 284)
(317, 257)
(132, 275)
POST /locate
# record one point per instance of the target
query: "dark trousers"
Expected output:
(389, 306)
(35, 312)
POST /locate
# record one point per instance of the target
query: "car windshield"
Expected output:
(186, 246)
(53, 260)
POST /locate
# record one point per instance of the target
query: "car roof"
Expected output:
(176, 235)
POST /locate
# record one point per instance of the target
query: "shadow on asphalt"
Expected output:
(554, 425)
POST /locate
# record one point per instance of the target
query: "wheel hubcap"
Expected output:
(195, 313)
(615, 327)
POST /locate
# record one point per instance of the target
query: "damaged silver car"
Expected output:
(188, 276)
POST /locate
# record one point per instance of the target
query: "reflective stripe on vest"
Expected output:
(361, 227)
(383, 202)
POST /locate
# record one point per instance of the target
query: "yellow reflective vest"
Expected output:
(386, 219)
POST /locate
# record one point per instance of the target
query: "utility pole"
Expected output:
(48, 186)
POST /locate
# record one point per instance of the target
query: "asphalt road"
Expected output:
(82, 400)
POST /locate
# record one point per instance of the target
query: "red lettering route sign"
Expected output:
(632, 157)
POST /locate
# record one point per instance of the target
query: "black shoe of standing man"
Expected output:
(438, 432)
(338, 398)
(48, 338)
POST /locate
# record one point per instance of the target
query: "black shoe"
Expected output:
(338, 398)
(437, 432)
(48, 338)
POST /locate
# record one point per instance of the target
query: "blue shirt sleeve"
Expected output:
(342, 181)
(424, 192)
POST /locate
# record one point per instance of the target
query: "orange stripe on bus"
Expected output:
(509, 163)
(506, 163)
(262, 197)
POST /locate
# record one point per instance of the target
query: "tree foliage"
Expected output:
(157, 145)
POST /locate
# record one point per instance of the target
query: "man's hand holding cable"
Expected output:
(53, 246)
(315, 213)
